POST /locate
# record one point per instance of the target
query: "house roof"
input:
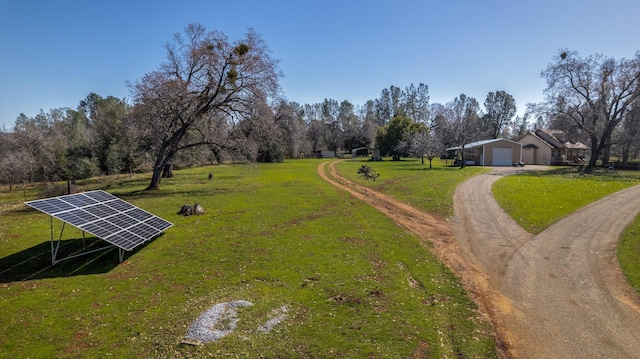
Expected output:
(479, 144)
(533, 134)
(558, 139)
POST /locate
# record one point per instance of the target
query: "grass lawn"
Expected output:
(354, 283)
(629, 254)
(538, 199)
(413, 182)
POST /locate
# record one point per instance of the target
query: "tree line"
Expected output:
(214, 100)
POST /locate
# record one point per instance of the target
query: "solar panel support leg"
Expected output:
(121, 254)
(54, 251)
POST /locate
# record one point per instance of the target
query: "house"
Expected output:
(551, 147)
(495, 152)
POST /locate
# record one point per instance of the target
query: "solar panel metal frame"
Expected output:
(105, 216)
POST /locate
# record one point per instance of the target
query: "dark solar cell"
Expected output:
(120, 205)
(139, 214)
(143, 230)
(105, 216)
(88, 217)
(51, 206)
(100, 228)
(78, 200)
(125, 240)
(72, 218)
(159, 223)
(122, 221)
(101, 210)
(100, 196)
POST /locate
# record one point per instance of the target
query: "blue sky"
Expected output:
(54, 53)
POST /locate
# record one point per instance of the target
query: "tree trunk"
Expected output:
(167, 171)
(625, 153)
(155, 178)
(606, 153)
(594, 153)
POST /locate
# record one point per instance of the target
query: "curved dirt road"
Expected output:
(559, 294)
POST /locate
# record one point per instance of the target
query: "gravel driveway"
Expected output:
(559, 294)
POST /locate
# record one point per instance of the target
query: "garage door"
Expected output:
(502, 156)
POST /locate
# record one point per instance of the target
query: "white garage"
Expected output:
(495, 152)
(503, 156)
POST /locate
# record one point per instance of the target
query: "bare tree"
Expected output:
(419, 142)
(629, 134)
(333, 133)
(264, 129)
(205, 77)
(462, 127)
(288, 116)
(593, 93)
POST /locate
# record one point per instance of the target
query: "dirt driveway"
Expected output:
(559, 294)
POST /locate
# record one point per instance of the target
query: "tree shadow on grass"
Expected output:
(35, 262)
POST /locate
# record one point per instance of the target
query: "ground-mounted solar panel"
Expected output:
(105, 216)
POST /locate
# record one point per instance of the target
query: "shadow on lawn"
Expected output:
(35, 262)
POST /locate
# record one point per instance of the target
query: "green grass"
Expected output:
(629, 254)
(356, 285)
(413, 182)
(538, 199)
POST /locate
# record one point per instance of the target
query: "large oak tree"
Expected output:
(593, 93)
(205, 77)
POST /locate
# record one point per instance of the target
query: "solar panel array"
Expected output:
(105, 216)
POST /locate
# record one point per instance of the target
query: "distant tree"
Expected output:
(593, 93)
(538, 114)
(263, 129)
(629, 134)
(34, 140)
(389, 136)
(333, 133)
(462, 127)
(389, 105)
(288, 116)
(500, 108)
(74, 156)
(13, 167)
(315, 133)
(416, 102)
(350, 125)
(419, 142)
(205, 78)
(109, 129)
(520, 126)
(369, 123)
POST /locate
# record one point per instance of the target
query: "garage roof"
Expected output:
(479, 144)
